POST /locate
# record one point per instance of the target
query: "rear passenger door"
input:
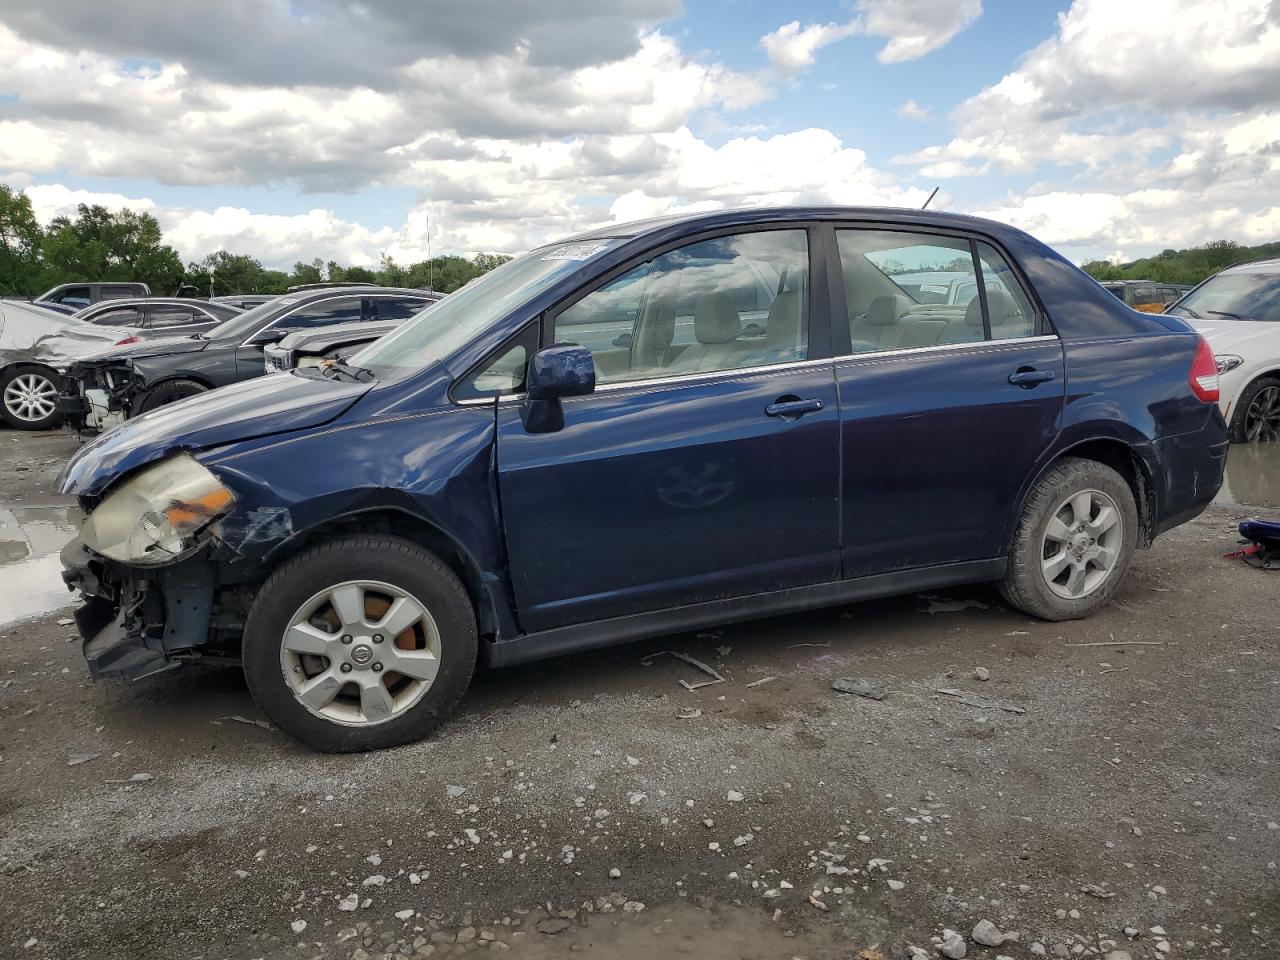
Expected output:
(945, 407)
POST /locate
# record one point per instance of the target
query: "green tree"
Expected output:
(20, 237)
(312, 272)
(101, 245)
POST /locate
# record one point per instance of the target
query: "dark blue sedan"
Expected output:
(649, 428)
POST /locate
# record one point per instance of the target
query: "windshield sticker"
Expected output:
(576, 251)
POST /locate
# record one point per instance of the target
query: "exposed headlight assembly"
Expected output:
(159, 516)
(1228, 361)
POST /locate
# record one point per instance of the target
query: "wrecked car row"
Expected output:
(650, 428)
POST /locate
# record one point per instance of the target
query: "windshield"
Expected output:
(433, 334)
(245, 323)
(1249, 296)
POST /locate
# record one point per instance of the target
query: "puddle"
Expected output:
(30, 538)
(1253, 476)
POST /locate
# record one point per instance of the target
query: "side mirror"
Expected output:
(563, 370)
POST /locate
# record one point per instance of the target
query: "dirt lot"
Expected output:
(1116, 773)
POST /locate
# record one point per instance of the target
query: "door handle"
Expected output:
(1028, 377)
(792, 408)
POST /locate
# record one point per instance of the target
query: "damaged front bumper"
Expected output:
(96, 397)
(135, 623)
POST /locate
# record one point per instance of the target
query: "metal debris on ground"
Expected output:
(691, 714)
(136, 778)
(694, 662)
(253, 723)
(871, 689)
(1122, 643)
(761, 682)
(973, 700)
(1093, 890)
(78, 758)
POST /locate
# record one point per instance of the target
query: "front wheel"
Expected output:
(29, 397)
(360, 643)
(1074, 541)
(171, 391)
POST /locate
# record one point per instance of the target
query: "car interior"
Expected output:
(722, 304)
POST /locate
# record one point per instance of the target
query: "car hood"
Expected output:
(1227, 336)
(243, 411)
(76, 342)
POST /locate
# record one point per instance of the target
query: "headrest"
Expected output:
(783, 326)
(1000, 305)
(886, 310)
(659, 326)
(715, 319)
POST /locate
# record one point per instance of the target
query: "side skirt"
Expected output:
(604, 633)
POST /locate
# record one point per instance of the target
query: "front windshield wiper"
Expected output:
(198, 336)
(1194, 315)
(1229, 315)
(339, 366)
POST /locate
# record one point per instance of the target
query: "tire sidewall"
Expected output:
(1239, 420)
(397, 562)
(1081, 475)
(13, 420)
(163, 394)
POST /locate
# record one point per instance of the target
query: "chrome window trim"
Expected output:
(700, 375)
(945, 347)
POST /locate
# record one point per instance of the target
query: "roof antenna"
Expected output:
(930, 200)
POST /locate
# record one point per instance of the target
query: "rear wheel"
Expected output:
(1257, 415)
(1074, 541)
(171, 392)
(29, 397)
(360, 643)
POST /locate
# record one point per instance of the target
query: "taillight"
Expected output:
(128, 340)
(1204, 373)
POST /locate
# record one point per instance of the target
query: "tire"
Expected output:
(171, 391)
(1046, 576)
(29, 397)
(1257, 414)
(344, 681)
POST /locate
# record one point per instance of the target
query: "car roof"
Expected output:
(741, 216)
(139, 301)
(1263, 265)
(362, 290)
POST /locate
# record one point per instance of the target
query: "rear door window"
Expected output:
(1145, 296)
(163, 315)
(322, 313)
(118, 317)
(118, 293)
(1009, 310)
(397, 308)
(908, 290)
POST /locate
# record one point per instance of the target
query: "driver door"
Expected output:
(705, 464)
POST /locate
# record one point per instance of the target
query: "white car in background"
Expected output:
(1238, 312)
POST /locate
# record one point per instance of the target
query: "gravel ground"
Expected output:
(1110, 788)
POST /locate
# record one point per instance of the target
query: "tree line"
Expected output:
(100, 244)
(1182, 266)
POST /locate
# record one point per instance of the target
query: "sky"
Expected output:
(352, 129)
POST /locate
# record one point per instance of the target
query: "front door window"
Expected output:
(719, 304)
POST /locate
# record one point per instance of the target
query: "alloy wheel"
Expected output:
(31, 397)
(361, 652)
(1262, 419)
(1082, 544)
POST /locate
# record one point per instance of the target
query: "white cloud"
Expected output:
(911, 110)
(792, 48)
(916, 27)
(912, 27)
